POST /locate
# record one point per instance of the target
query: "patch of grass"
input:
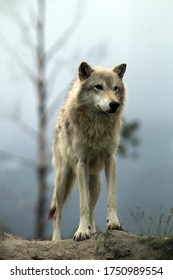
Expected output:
(106, 233)
(156, 224)
(164, 244)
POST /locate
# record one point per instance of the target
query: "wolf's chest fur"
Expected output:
(96, 130)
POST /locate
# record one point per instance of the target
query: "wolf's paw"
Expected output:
(114, 225)
(81, 235)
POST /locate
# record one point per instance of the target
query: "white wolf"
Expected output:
(86, 138)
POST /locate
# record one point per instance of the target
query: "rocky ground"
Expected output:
(108, 245)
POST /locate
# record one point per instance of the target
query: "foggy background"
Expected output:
(106, 33)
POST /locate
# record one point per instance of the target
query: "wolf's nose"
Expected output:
(114, 106)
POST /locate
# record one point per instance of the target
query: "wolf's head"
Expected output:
(102, 87)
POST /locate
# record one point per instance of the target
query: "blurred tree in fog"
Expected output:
(129, 139)
(40, 79)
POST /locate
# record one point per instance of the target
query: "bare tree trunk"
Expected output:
(42, 122)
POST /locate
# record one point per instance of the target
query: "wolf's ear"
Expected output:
(84, 71)
(120, 70)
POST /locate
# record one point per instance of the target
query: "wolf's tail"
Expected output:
(69, 186)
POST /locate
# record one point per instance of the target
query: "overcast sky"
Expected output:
(137, 32)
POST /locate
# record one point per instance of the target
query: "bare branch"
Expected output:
(15, 118)
(32, 19)
(22, 26)
(54, 104)
(19, 159)
(18, 60)
(54, 73)
(61, 41)
(58, 66)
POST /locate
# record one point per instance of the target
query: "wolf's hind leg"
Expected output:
(64, 180)
(58, 196)
(94, 190)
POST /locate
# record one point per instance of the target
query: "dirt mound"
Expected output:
(111, 245)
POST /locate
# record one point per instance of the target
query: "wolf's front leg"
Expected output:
(112, 217)
(83, 231)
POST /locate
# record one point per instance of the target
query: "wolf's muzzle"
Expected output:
(114, 105)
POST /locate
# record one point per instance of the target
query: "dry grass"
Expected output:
(157, 224)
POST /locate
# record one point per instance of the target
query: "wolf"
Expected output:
(85, 141)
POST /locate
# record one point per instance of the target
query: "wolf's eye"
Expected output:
(116, 88)
(99, 87)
